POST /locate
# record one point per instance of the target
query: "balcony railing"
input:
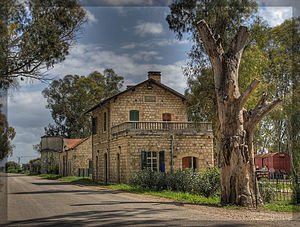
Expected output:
(161, 126)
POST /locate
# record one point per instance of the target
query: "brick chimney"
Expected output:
(154, 75)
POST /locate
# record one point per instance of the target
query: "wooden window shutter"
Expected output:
(162, 161)
(143, 159)
(134, 115)
(166, 117)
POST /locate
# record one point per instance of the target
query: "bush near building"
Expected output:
(205, 183)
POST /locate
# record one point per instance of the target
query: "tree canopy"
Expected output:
(70, 97)
(35, 35)
(7, 134)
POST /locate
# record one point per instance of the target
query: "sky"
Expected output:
(130, 40)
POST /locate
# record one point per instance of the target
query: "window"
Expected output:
(166, 116)
(104, 122)
(134, 115)
(189, 162)
(150, 99)
(94, 125)
(150, 160)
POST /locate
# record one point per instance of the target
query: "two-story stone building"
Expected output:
(147, 126)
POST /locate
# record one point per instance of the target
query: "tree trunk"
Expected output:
(235, 125)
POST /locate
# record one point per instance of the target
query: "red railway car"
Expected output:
(275, 162)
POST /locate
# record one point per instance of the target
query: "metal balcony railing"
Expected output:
(161, 126)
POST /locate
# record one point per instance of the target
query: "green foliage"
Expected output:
(7, 134)
(70, 97)
(49, 176)
(267, 191)
(35, 35)
(35, 166)
(12, 166)
(206, 183)
(296, 193)
(223, 16)
(53, 165)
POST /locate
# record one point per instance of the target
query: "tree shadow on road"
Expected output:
(121, 217)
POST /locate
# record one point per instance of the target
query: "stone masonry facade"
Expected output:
(76, 157)
(147, 126)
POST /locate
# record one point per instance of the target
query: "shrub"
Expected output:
(206, 183)
(209, 182)
(12, 167)
(296, 193)
(149, 179)
(267, 191)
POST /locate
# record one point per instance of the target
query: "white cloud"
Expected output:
(84, 59)
(28, 115)
(275, 15)
(129, 46)
(91, 19)
(147, 56)
(145, 28)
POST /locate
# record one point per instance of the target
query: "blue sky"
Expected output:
(131, 40)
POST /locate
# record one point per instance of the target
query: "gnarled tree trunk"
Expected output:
(236, 125)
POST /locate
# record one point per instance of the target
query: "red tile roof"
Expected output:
(70, 143)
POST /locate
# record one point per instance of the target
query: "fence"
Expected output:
(275, 187)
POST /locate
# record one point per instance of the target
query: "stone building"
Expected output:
(76, 157)
(147, 126)
(50, 148)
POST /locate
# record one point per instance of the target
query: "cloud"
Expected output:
(145, 28)
(27, 110)
(84, 59)
(28, 115)
(147, 56)
(91, 19)
(275, 15)
(125, 2)
(129, 46)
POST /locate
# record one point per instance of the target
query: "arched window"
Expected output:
(134, 115)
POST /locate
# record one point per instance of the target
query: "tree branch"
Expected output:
(214, 49)
(239, 42)
(261, 109)
(245, 96)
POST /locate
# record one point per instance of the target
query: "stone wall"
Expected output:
(166, 102)
(116, 158)
(78, 157)
(49, 159)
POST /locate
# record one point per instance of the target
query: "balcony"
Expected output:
(161, 126)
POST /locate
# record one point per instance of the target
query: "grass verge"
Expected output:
(178, 196)
(282, 206)
(277, 206)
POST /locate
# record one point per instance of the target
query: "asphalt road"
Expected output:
(33, 201)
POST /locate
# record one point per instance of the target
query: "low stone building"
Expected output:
(76, 158)
(50, 148)
(147, 126)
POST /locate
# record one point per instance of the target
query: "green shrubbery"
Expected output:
(12, 167)
(267, 191)
(206, 183)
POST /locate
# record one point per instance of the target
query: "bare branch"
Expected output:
(214, 49)
(261, 109)
(239, 42)
(245, 96)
